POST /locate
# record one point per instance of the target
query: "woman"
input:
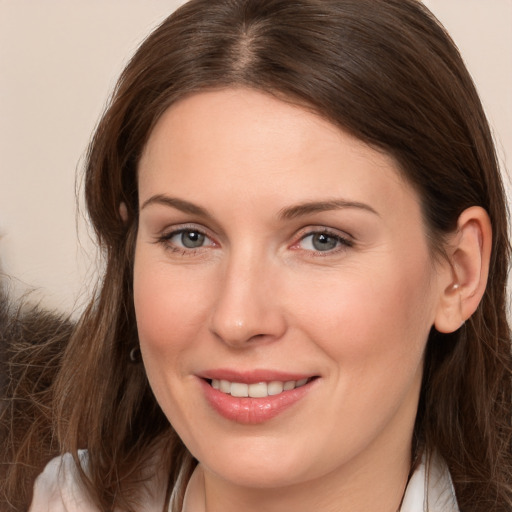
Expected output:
(303, 305)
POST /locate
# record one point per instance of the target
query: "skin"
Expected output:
(257, 295)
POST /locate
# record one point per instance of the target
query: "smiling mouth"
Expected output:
(258, 389)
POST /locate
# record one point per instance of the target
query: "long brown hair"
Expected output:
(32, 342)
(386, 72)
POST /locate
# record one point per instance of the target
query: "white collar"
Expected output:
(430, 488)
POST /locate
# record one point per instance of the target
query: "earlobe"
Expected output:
(468, 256)
(123, 212)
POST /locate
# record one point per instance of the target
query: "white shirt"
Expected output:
(57, 489)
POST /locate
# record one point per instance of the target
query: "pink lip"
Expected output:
(249, 410)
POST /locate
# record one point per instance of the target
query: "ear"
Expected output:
(468, 252)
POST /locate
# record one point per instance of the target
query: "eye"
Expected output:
(186, 239)
(323, 241)
(190, 239)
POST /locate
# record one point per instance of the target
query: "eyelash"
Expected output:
(342, 243)
(165, 240)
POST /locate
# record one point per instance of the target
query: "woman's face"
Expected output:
(279, 257)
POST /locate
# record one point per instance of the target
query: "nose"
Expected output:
(247, 304)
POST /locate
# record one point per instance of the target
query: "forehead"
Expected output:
(232, 142)
(244, 119)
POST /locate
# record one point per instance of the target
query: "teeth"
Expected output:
(257, 390)
(289, 385)
(238, 389)
(225, 386)
(274, 388)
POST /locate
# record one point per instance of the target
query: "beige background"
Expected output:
(58, 61)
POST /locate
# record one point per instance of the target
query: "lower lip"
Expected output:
(251, 411)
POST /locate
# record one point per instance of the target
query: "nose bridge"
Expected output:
(245, 307)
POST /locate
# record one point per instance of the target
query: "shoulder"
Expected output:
(59, 488)
(430, 488)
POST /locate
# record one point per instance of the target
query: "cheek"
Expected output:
(170, 310)
(373, 328)
(375, 317)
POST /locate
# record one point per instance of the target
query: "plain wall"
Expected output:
(59, 60)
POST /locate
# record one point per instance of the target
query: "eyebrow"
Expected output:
(288, 213)
(322, 206)
(174, 202)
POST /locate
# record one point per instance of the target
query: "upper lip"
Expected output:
(252, 376)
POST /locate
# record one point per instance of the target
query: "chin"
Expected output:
(258, 475)
(256, 464)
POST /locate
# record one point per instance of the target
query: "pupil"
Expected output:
(192, 239)
(323, 242)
